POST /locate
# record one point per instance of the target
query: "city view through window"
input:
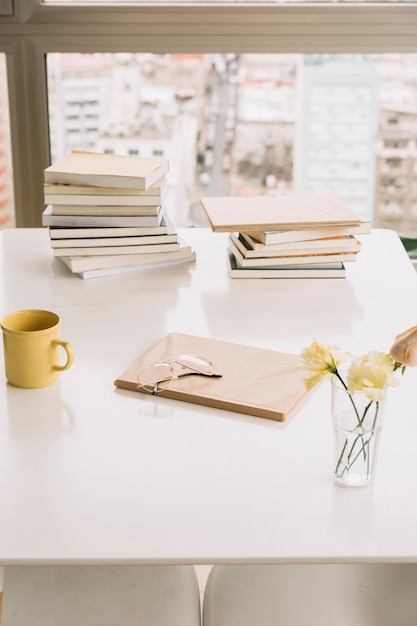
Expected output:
(250, 124)
(242, 124)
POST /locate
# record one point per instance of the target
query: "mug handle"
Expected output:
(70, 354)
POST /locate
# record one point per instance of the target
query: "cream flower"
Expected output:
(318, 361)
(372, 373)
(404, 348)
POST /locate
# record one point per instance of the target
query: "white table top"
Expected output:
(92, 474)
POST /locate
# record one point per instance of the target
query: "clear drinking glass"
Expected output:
(357, 424)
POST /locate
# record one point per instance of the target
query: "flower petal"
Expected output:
(404, 348)
(318, 361)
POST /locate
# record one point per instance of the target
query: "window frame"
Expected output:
(36, 29)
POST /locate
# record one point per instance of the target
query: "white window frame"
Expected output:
(35, 29)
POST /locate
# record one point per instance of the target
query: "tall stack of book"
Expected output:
(105, 214)
(287, 236)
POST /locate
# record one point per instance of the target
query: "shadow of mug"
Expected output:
(38, 414)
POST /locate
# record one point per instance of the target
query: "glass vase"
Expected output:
(357, 424)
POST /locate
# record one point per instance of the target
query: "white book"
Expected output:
(322, 270)
(78, 195)
(318, 246)
(100, 221)
(103, 242)
(106, 170)
(153, 248)
(268, 237)
(157, 189)
(89, 209)
(86, 262)
(60, 232)
(289, 260)
(112, 271)
(99, 201)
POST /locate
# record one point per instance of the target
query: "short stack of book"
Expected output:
(105, 214)
(287, 236)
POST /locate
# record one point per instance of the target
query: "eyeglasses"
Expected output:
(153, 375)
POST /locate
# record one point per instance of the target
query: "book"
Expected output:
(100, 221)
(304, 259)
(113, 271)
(60, 232)
(270, 237)
(100, 242)
(281, 212)
(312, 270)
(107, 170)
(84, 262)
(254, 381)
(91, 201)
(153, 248)
(65, 209)
(103, 196)
(157, 189)
(318, 246)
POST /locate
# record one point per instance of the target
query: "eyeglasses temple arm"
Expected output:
(155, 389)
(199, 374)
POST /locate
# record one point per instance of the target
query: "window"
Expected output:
(39, 30)
(255, 124)
(196, 2)
(6, 174)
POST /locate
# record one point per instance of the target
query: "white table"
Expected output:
(90, 474)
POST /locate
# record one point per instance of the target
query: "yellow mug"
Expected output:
(31, 348)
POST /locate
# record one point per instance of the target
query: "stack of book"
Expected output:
(105, 214)
(287, 236)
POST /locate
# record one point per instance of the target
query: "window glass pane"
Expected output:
(250, 124)
(6, 175)
(220, 2)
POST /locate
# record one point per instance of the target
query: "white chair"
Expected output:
(311, 595)
(156, 595)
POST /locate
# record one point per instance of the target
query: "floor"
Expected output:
(58, 605)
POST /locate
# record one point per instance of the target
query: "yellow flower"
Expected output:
(319, 360)
(372, 373)
(404, 348)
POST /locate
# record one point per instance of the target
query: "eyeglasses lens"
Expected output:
(196, 363)
(156, 373)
